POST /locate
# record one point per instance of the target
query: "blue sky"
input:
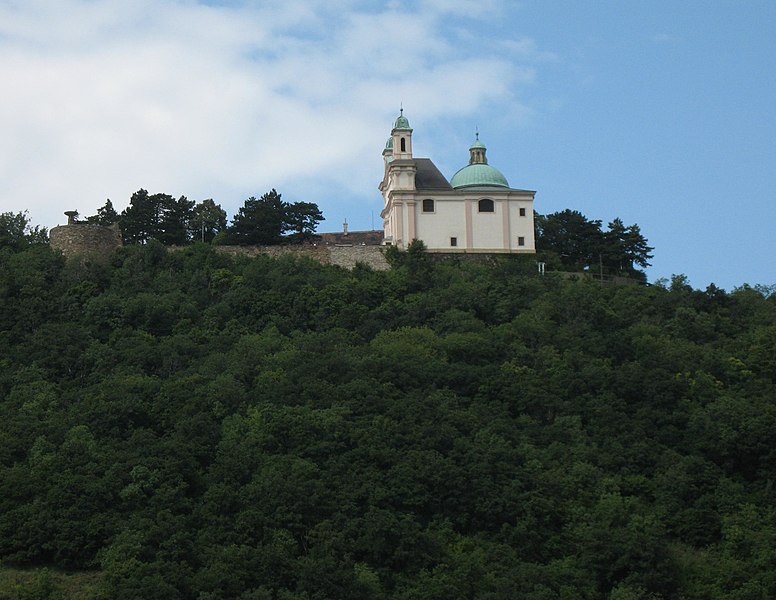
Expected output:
(660, 113)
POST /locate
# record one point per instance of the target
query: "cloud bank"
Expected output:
(229, 99)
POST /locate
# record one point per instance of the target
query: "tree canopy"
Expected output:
(259, 221)
(190, 425)
(264, 221)
(269, 220)
(16, 233)
(106, 215)
(570, 241)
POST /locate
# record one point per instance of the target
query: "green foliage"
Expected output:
(16, 233)
(259, 220)
(569, 241)
(265, 220)
(207, 220)
(106, 215)
(194, 425)
(160, 217)
(46, 584)
(156, 217)
(301, 220)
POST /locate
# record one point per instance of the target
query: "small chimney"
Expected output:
(345, 228)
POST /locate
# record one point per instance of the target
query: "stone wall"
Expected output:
(343, 256)
(372, 237)
(86, 240)
(319, 253)
(348, 256)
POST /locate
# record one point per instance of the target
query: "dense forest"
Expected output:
(187, 424)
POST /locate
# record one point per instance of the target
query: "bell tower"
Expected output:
(401, 135)
(398, 185)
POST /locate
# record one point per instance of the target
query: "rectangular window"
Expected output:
(453, 241)
(522, 212)
(521, 241)
(428, 205)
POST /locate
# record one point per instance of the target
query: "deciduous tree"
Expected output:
(208, 219)
(16, 232)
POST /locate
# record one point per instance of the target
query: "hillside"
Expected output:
(195, 425)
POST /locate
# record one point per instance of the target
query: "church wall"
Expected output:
(481, 232)
(487, 228)
(522, 226)
(447, 220)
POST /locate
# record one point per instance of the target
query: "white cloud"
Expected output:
(104, 97)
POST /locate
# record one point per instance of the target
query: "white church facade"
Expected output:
(476, 211)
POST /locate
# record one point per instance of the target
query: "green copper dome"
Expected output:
(401, 121)
(478, 175)
(389, 144)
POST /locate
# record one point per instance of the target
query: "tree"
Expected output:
(156, 217)
(576, 241)
(16, 233)
(174, 222)
(208, 219)
(138, 220)
(624, 246)
(259, 221)
(635, 248)
(301, 219)
(106, 215)
(612, 254)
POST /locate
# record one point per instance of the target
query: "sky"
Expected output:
(661, 113)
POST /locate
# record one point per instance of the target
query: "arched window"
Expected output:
(403, 145)
(428, 205)
(485, 205)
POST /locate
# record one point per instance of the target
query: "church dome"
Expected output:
(478, 174)
(401, 121)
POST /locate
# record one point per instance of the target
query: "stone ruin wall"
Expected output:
(348, 256)
(85, 240)
(96, 241)
(343, 256)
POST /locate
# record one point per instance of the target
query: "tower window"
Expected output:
(403, 145)
(521, 241)
(453, 241)
(522, 212)
(428, 205)
(486, 205)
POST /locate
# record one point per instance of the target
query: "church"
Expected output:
(476, 211)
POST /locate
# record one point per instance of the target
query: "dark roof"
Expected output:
(428, 177)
